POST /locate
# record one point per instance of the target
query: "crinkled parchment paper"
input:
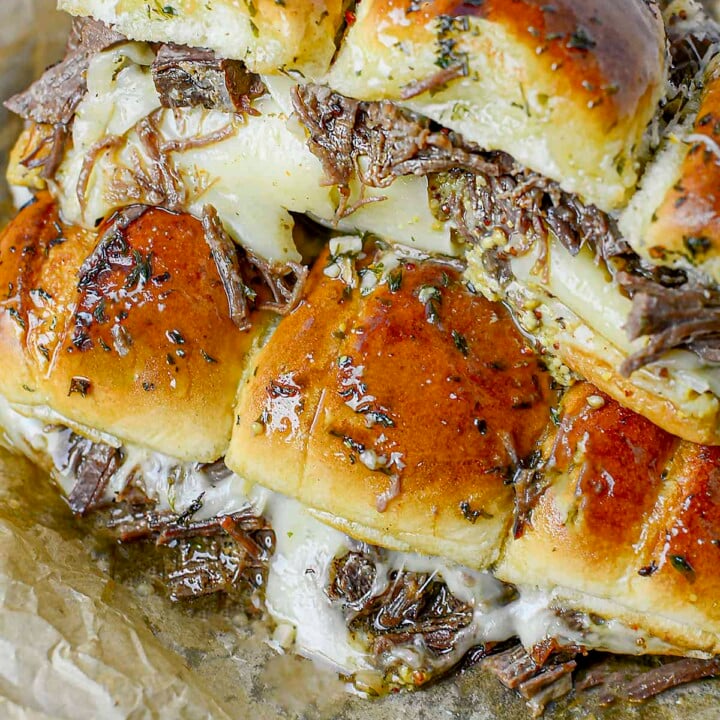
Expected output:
(84, 636)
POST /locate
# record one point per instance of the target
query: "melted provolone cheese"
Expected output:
(255, 174)
(300, 570)
(574, 302)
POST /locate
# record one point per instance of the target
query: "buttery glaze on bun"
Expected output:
(573, 125)
(399, 416)
(626, 523)
(567, 88)
(119, 330)
(674, 219)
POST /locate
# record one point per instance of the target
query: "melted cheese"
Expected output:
(300, 569)
(576, 303)
(255, 176)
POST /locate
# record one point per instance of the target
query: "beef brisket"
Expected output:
(54, 97)
(192, 77)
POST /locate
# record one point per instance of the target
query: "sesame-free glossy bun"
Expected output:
(626, 527)
(397, 417)
(134, 341)
(567, 88)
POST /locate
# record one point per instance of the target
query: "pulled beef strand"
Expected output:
(685, 316)
(529, 485)
(195, 77)
(538, 684)
(225, 255)
(639, 688)
(668, 676)
(164, 178)
(286, 283)
(54, 97)
(92, 464)
(50, 161)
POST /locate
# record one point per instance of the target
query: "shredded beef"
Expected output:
(222, 554)
(413, 606)
(225, 254)
(538, 683)
(529, 485)
(392, 142)
(685, 316)
(53, 98)
(191, 77)
(279, 289)
(92, 464)
(641, 687)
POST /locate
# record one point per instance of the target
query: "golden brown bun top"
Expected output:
(606, 51)
(567, 88)
(685, 227)
(130, 336)
(401, 415)
(630, 514)
(268, 35)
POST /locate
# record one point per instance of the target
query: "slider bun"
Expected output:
(646, 398)
(267, 35)
(567, 87)
(456, 406)
(151, 360)
(675, 218)
(628, 524)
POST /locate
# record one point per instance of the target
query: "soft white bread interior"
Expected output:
(125, 331)
(268, 35)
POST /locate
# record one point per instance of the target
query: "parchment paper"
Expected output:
(83, 634)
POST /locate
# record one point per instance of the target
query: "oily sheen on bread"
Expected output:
(399, 429)
(624, 523)
(452, 127)
(399, 454)
(118, 330)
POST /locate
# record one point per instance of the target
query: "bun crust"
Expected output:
(626, 523)
(397, 424)
(567, 88)
(135, 342)
(267, 35)
(602, 372)
(685, 227)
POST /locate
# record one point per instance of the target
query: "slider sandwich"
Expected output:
(401, 317)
